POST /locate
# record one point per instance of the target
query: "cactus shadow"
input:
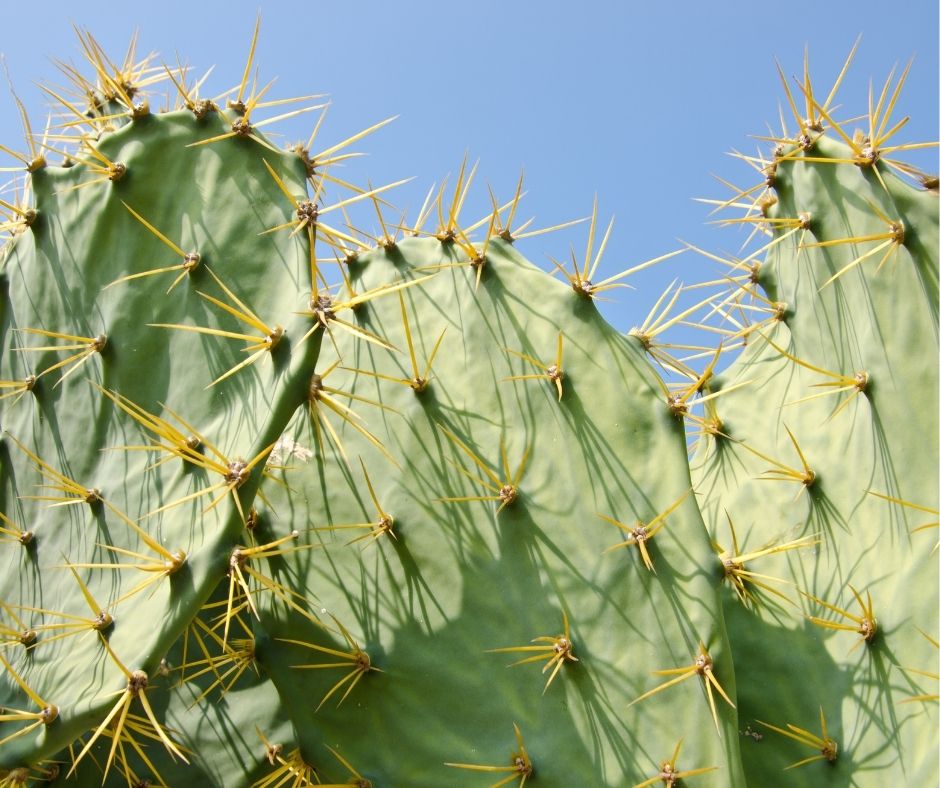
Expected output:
(879, 695)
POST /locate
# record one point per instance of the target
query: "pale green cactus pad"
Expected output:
(287, 502)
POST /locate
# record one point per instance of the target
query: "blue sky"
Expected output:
(637, 103)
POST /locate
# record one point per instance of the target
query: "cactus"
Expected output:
(842, 413)
(437, 524)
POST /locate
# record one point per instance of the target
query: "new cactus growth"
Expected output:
(278, 493)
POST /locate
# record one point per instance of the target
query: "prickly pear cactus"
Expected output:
(833, 441)
(287, 501)
(434, 526)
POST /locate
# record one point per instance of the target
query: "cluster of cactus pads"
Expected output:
(286, 503)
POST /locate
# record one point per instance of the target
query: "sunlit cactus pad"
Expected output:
(295, 495)
(835, 439)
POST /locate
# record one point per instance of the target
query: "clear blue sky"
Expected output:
(635, 102)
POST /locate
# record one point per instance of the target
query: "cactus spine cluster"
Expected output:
(284, 501)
